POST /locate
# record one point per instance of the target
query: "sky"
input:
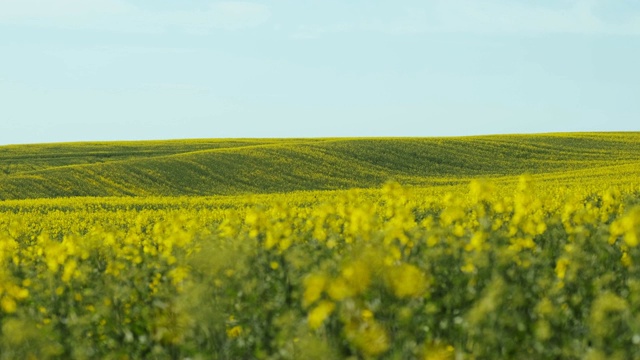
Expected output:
(87, 70)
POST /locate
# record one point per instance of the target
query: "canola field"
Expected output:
(534, 266)
(251, 166)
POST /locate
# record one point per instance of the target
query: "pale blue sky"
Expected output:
(73, 70)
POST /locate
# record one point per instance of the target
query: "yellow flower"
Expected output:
(477, 242)
(407, 280)
(234, 332)
(366, 314)
(319, 314)
(480, 190)
(629, 227)
(178, 275)
(369, 337)
(357, 276)
(360, 223)
(561, 267)
(313, 287)
(468, 268)
(339, 289)
(69, 270)
(437, 351)
(626, 259)
(8, 305)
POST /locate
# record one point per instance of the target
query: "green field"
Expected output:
(487, 247)
(245, 166)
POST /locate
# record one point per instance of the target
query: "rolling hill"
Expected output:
(244, 166)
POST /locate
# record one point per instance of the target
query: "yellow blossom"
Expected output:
(314, 285)
(369, 337)
(339, 289)
(407, 280)
(561, 267)
(234, 332)
(8, 304)
(319, 314)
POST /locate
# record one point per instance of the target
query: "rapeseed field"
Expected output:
(250, 166)
(472, 261)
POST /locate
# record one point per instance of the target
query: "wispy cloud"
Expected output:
(30, 10)
(502, 16)
(228, 15)
(119, 15)
(490, 16)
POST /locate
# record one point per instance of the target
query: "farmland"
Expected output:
(231, 167)
(522, 246)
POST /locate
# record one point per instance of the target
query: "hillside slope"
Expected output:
(236, 166)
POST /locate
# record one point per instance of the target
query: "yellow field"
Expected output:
(485, 271)
(537, 267)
